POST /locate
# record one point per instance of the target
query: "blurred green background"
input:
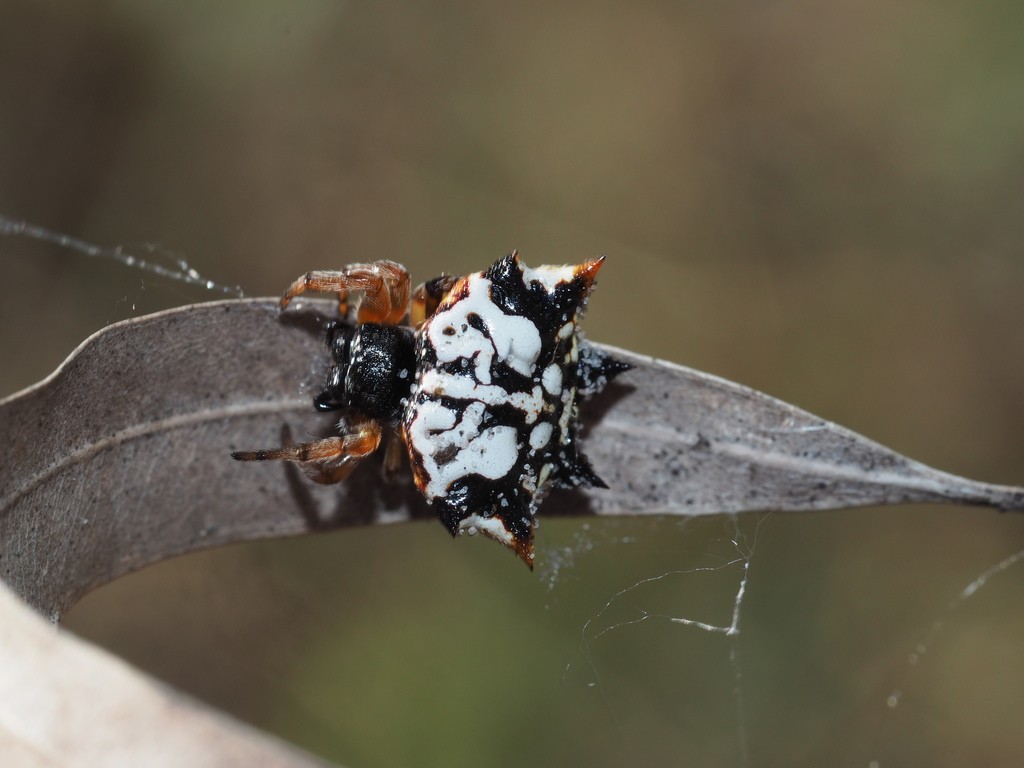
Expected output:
(822, 201)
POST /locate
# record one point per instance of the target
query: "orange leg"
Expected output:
(385, 287)
(394, 451)
(427, 296)
(330, 460)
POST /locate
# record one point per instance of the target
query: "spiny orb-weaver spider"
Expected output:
(479, 377)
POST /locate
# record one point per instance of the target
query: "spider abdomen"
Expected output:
(491, 422)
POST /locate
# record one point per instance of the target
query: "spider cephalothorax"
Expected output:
(482, 388)
(372, 369)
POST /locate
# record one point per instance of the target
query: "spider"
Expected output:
(478, 377)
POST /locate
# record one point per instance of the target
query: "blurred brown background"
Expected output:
(823, 201)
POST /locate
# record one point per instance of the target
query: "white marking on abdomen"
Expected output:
(513, 339)
(552, 379)
(436, 383)
(540, 435)
(490, 526)
(549, 275)
(436, 430)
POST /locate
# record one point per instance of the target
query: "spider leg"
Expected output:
(330, 460)
(427, 297)
(385, 287)
(394, 450)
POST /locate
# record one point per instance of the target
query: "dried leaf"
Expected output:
(66, 703)
(121, 458)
